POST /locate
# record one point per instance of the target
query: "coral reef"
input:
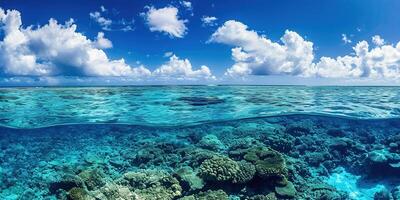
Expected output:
(273, 158)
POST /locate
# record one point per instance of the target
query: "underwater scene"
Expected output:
(200, 143)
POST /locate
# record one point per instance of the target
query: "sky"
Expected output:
(126, 42)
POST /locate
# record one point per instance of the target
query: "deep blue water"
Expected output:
(200, 142)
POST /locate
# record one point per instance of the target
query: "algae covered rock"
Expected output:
(268, 162)
(219, 168)
(384, 194)
(79, 194)
(93, 178)
(149, 184)
(396, 193)
(67, 182)
(211, 142)
(270, 196)
(114, 191)
(189, 179)
(208, 195)
(287, 191)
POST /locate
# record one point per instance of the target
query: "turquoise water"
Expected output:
(171, 105)
(200, 142)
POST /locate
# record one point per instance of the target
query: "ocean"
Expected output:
(200, 142)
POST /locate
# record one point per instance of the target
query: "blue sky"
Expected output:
(174, 50)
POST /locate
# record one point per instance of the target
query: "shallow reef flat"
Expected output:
(283, 157)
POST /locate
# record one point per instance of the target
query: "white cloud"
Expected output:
(258, 55)
(187, 4)
(107, 24)
(181, 69)
(102, 42)
(166, 20)
(55, 49)
(379, 62)
(168, 54)
(209, 21)
(377, 40)
(103, 9)
(345, 39)
(102, 21)
(255, 54)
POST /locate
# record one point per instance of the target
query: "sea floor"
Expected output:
(282, 157)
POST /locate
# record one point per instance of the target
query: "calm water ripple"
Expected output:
(175, 105)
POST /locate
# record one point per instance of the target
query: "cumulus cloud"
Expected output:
(166, 20)
(379, 62)
(181, 69)
(255, 54)
(102, 42)
(209, 21)
(377, 40)
(258, 55)
(56, 49)
(345, 39)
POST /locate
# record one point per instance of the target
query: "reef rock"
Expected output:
(382, 195)
(114, 191)
(396, 193)
(208, 195)
(287, 191)
(79, 194)
(189, 179)
(93, 178)
(148, 184)
(66, 183)
(211, 142)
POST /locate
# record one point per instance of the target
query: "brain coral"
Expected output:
(219, 168)
(246, 172)
(269, 163)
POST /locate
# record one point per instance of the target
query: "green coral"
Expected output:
(246, 172)
(93, 178)
(269, 163)
(189, 179)
(149, 184)
(224, 169)
(78, 194)
(219, 168)
(208, 195)
(287, 191)
(211, 142)
(114, 191)
(270, 196)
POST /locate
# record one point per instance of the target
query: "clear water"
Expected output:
(162, 105)
(337, 142)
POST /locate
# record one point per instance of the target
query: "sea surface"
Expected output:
(200, 142)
